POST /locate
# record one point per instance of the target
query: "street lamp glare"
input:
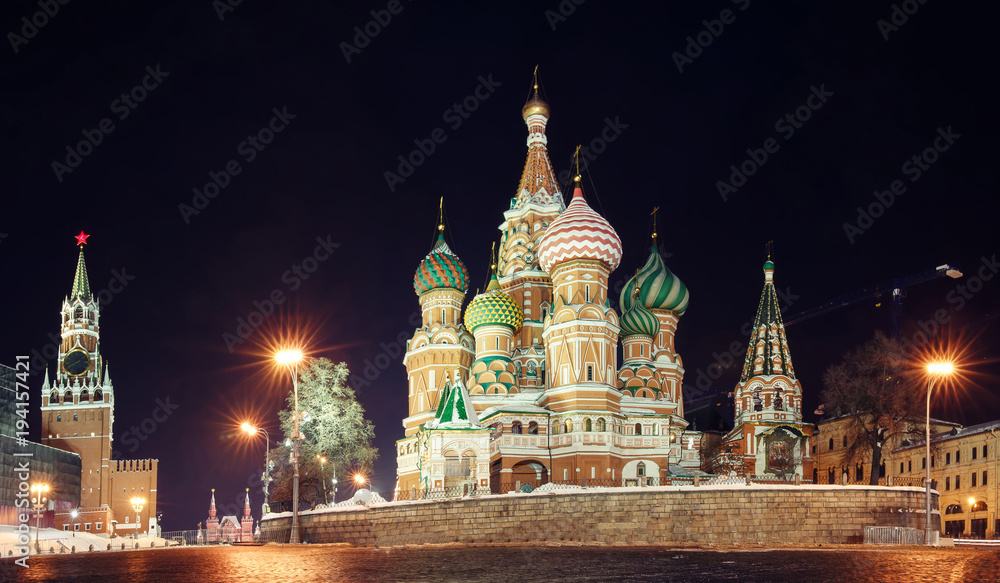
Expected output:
(288, 356)
(942, 368)
(972, 501)
(248, 428)
(359, 479)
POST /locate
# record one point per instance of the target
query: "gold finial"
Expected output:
(493, 257)
(655, 210)
(441, 215)
(769, 248)
(534, 81)
(535, 104)
(635, 291)
(248, 490)
(576, 162)
(213, 490)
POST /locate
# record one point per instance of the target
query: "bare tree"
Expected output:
(871, 389)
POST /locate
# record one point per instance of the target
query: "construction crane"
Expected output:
(893, 290)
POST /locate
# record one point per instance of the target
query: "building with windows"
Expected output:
(534, 357)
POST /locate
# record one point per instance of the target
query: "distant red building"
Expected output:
(229, 529)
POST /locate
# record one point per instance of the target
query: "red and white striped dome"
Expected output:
(579, 233)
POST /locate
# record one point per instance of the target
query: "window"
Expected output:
(953, 509)
(909, 466)
(98, 525)
(830, 476)
(76, 527)
(638, 429)
(533, 428)
(947, 458)
(54, 398)
(974, 452)
(569, 426)
(68, 397)
(974, 476)
(814, 450)
(86, 527)
(84, 395)
(984, 451)
(859, 473)
(958, 457)
(831, 444)
(923, 463)
(640, 470)
(66, 527)
(98, 396)
(590, 372)
(515, 428)
(498, 343)
(958, 482)
(932, 461)
(587, 288)
(900, 467)
(75, 417)
(444, 318)
(947, 485)
(58, 417)
(979, 507)
(984, 478)
(587, 426)
(601, 425)
(779, 404)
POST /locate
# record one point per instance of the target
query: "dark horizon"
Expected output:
(866, 100)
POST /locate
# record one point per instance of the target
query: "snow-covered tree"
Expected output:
(334, 427)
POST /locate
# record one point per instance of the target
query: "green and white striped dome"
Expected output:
(659, 289)
(639, 321)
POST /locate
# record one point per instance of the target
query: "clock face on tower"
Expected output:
(76, 363)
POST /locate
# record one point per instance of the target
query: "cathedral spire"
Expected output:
(45, 383)
(538, 181)
(81, 285)
(211, 508)
(768, 352)
(107, 375)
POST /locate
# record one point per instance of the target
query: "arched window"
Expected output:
(75, 417)
(68, 397)
(54, 397)
(758, 404)
(84, 395)
(979, 507)
(779, 403)
(533, 428)
(79, 312)
(444, 316)
(569, 426)
(640, 470)
(98, 396)
(953, 509)
(656, 429)
(831, 444)
(601, 426)
(638, 429)
(830, 478)
(590, 372)
(515, 428)
(587, 426)
(58, 417)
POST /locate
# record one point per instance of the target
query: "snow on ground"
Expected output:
(63, 541)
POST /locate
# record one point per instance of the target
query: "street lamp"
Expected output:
(38, 499)
(322, 473)
(137, 504)
(291, 359)
(74, 514)
(251, 430)
(934, 370)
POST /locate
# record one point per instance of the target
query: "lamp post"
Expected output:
(137, 504)
(74, 514)
(322, 473)
(935, 369)
(250, 429)
(38, 499)
(291, 359)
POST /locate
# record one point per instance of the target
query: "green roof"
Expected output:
(81, 286)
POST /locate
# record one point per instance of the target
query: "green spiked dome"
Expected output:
(659, 289)
(493, 307)
(81, 284)
(639, 321)
(441, 269)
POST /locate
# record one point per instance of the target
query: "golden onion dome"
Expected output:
(535, 105)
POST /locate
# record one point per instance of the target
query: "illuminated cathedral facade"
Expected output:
(524, 386)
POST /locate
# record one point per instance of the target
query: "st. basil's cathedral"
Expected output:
(525, 386)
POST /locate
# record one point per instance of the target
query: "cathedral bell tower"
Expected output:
(78, 406)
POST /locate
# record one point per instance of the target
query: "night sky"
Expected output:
(868, 100)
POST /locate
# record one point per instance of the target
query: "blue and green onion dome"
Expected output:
(441, 269)
(493, 307)
(639, 321)
(659, 289)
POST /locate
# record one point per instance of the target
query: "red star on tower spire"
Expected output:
(81, 239)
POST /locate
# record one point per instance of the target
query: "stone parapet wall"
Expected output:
(725, 515)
